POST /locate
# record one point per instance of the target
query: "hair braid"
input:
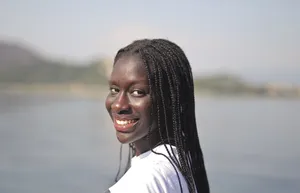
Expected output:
(171, 53)
(157, 80)
(172, 95)
(177, 122)
(158, 83)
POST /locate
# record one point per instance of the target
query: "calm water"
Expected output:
(67, 145)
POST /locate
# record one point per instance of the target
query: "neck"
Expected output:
(143, 145)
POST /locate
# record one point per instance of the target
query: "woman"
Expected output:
(151, 103)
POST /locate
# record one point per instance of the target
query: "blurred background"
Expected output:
(55, 56)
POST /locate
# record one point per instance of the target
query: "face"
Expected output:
(128, 102)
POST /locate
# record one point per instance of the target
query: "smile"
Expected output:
(125, 125)
(125, 122)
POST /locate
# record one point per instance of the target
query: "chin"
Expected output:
(124, 139)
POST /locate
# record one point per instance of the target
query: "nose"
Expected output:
(121, 104)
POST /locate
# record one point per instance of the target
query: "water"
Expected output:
(67, 145)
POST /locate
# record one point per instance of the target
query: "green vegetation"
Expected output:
(54, 73)
(21, 68)
(227, 84)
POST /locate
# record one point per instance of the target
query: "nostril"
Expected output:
(124, 111)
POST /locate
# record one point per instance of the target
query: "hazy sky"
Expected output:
(258, 38)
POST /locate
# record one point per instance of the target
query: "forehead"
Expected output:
(129, 68)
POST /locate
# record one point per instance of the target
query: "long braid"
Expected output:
(180, 143)
(171, 82)
(158, 83)
(174, 100)
(176, 119)
(196, 159)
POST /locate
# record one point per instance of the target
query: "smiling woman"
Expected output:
(151, 103)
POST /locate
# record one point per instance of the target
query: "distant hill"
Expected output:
(14, 55)
(20, 64)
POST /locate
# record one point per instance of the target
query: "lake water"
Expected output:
(67, 145)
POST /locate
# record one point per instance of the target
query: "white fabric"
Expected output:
(151, 173)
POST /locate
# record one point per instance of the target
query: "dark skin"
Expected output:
(129, 100)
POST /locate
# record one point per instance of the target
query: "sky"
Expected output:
(258, 39)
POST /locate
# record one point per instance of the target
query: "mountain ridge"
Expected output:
(21, 64)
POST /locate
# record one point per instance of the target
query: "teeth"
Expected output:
(124, 122)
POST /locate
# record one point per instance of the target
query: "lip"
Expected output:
(126, 128)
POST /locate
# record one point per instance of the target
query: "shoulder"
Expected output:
(151, 176)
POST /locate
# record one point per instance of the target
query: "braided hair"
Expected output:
(173, 106)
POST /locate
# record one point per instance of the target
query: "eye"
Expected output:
(114, 90)
(138, 93)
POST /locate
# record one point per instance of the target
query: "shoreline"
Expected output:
(98, 91)
(68, 90)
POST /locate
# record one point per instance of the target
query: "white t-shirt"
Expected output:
(151, 173)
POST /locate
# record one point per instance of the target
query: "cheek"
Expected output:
(108, 103)
(147, 115)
